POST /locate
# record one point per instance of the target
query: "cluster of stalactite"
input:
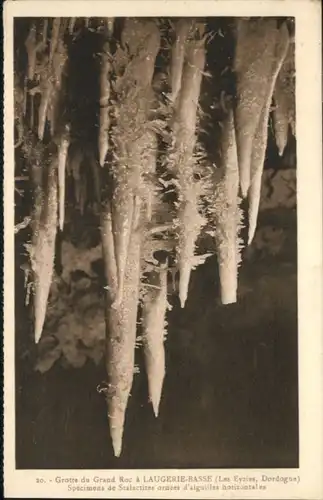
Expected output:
(152, 184)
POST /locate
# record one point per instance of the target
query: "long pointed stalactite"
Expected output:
(154, 321)
(104, 100)
(182, 161)
(226, 214)
(255, 50)
(42, 246)
(120, 362)
(260, 138)
(284, 101)
(140, 173)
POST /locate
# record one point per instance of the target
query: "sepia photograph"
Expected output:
(156, 242)
(155, 250)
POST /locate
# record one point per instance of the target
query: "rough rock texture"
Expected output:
(278, 189)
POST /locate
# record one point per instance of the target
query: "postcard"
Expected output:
(163, 249)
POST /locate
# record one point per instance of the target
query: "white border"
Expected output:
(22, 483)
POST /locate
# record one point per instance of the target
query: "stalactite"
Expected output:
(45, 32)
(54, 37)
(225, 213)
(62, 159)
(190, 224)
(31, 48)
(44, 88)
(71, 25)
(42, 246)
(59, 60)
(19, 98)
(260, 139)
(255, 47)
(104, 103)
(284, 101)
(153, 320)
(181, 161)
(49, 75)
(122, 326)
(109, 21)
